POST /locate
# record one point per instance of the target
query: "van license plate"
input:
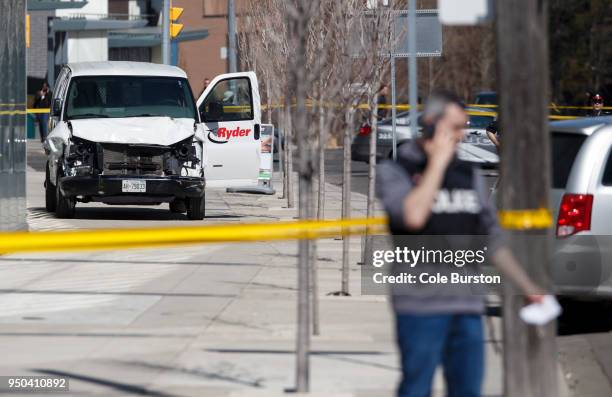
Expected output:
(133, 186)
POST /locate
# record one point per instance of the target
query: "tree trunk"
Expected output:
(282, 152)
(367, 251)
(346, 196)
(269, 101)
(288, 153)
(529, 352)
(322, 141)
(298, 80)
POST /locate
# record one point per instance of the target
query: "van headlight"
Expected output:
(79, 157)
(182, 155)
(54, 145)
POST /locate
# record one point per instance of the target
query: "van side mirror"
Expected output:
(56, 110)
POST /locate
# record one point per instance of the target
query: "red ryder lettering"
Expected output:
(227, 134)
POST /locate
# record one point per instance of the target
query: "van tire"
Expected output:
(64, 205)
(178, 206)
(195, 208)
(50, 199)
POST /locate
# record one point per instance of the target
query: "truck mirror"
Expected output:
(57, 107)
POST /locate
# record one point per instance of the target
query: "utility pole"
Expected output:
(13, 117)
(522, 50)
(166, 33)
(231, 33)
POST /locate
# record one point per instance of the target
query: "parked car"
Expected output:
(132, 133)
(476, 146)
(582, 201)
(486, 98)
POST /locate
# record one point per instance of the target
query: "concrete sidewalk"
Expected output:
(213, 320)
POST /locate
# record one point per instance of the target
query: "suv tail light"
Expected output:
(574, 214)
(365, 130)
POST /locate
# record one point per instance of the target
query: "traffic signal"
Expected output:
(175, 28)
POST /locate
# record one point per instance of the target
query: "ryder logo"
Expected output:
(224, 134)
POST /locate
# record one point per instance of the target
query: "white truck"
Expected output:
(132, 133)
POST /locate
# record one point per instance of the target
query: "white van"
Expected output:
(132, 133)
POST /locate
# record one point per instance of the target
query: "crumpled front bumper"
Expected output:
(111, 186)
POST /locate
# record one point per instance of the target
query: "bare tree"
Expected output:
(264, 43)
(378, 30)
(316, 50)
(298, 16)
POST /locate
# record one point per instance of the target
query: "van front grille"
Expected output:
(132, 160)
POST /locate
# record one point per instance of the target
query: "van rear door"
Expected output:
(230, 114)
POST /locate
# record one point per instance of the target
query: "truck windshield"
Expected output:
(129, 96)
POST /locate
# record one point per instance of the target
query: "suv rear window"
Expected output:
(606, 180)
(565, 147)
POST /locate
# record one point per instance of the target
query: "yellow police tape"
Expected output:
(243, 109)
(38, 111)
(104, 239)
(540, 218)
(12, 112)
(111, 239)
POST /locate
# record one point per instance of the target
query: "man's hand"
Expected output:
(535, 298)
(440, 148)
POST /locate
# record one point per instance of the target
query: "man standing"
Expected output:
(381, 102)
(494, 134)
(205, 84)
(42, 100)
(429, 192)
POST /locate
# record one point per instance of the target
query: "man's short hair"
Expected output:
(437, 103)
(434, 110)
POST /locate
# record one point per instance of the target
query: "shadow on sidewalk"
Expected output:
(123, 387)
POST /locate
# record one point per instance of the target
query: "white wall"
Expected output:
(137, 7)
(93, 7)
(88, 45)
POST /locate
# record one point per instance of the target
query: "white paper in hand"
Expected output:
(541, 313)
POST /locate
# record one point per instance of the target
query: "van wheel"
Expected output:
(178, 206)
(195, 208)
(50, 199)
(64, 205)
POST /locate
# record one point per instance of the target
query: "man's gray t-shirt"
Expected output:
(394, 184)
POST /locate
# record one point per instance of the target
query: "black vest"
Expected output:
(456, 210)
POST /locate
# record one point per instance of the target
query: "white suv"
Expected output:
(132, 133)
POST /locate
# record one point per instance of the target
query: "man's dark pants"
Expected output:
(43, 120)
(453, 340)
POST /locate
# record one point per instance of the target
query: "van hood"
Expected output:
(163, 131)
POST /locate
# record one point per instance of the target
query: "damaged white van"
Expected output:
(132, 133)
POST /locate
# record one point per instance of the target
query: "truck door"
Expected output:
(230, 112)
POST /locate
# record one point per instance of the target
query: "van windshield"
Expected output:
(129, 96)
(565, 148)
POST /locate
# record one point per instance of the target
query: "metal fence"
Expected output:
(12, 116)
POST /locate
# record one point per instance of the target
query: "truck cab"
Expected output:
(132, 133)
